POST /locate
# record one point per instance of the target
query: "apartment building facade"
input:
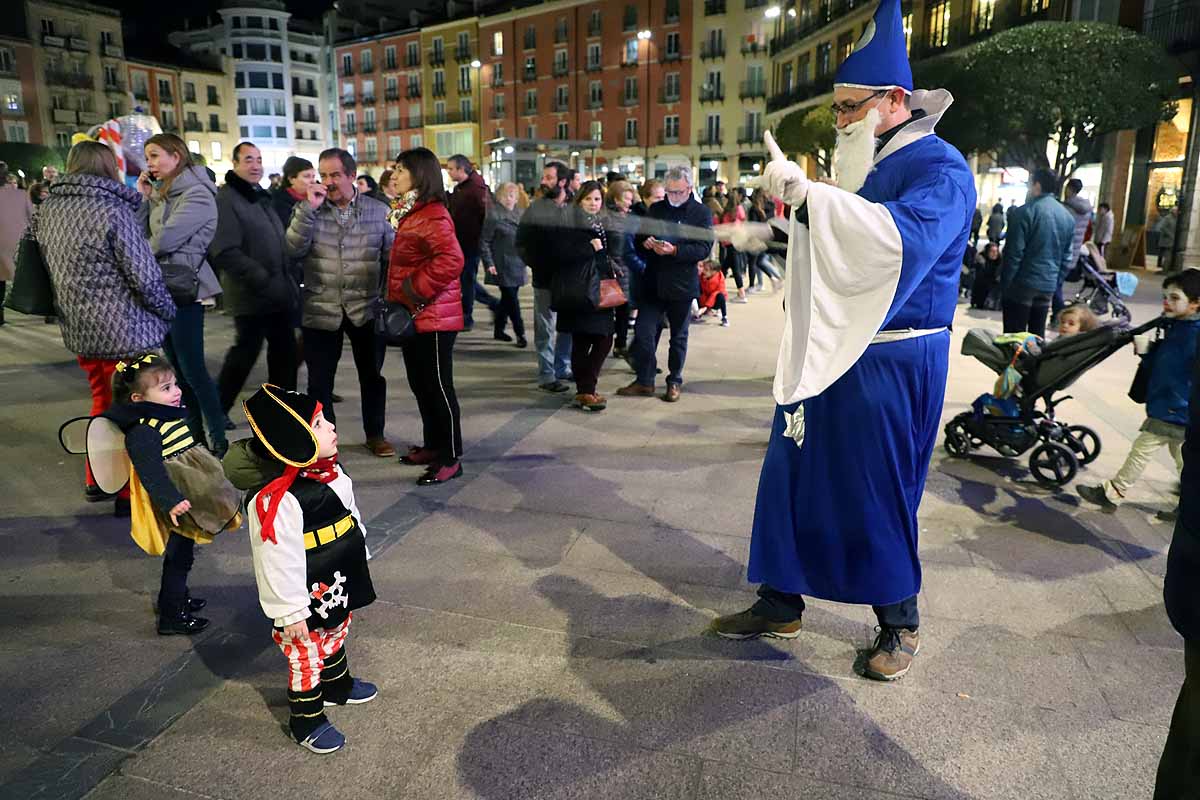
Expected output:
(451, 99)
(380, 97)
(20, 115)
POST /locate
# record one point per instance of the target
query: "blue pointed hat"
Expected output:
(880, 58)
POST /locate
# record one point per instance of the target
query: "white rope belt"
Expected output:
(905, 333)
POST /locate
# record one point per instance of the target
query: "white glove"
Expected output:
(782, 178)
(746, 237)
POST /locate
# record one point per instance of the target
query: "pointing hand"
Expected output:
(782, 178)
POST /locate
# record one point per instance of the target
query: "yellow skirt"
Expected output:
(198, 476)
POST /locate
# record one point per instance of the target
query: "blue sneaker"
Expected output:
(360, 692)
(325, 739)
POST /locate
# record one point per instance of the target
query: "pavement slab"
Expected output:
(540, 628)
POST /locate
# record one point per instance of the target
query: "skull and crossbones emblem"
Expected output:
(331, 596)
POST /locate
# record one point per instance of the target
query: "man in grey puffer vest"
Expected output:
(343, 239)
(260, 294)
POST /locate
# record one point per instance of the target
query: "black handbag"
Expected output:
(393, 323)
(576, 288)
(183, 282)
(31, 291)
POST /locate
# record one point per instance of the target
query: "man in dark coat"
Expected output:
(468, 206)
(248, 250)
(670, 283)
(1179, 769)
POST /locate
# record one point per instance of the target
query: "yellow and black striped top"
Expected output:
(175, 433)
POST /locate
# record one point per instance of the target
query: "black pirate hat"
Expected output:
(282, 421)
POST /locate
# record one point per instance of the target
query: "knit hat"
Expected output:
(880, 57)
(282, 423)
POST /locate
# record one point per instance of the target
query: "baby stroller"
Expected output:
(1102, 290)
(1058, 448)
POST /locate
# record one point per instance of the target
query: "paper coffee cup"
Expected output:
(1141, 343)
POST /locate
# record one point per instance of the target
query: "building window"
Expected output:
(189, 92)
(216, 150)
(261, 131)
(439, 49)
(673, 44)
(280, 132)
(595, 23)
(631, 18)
(115, 109)
(7, 62)
(498, 43)
(561, 98)
(63, 139)
(273, 24)
(467, 109)
(671, 128)
(12, 102)
(938, 25)
(561, 131)
(906, 23)
(371, 152)
(48, 27)
(673, 11)
(712, 129)
(671, 87)
(276, 54)
(824, 51)
(347, 64)
(412, 55)
(365, 60)
(280, 108)
(631, 51)
(530, 101)
(631, 131)
(464, 78)
(237, 23)
(560, 62)
(111, 77)
(631, 90)
(530, 68)
(498, 106)
(498, 74)
(238, 50)
(530, 37)
(844, 46)
(803, 67)
(593, 56)
(244, 131)
(193, 145)
(439, 112)
(531, 131)
(596, 130)
(595, 94)
(389, 57)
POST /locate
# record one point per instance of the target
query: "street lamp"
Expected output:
(643, 34)
(476, 63)
(772, 12)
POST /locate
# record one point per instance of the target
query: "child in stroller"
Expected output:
(1103, 291)
(1035, 372)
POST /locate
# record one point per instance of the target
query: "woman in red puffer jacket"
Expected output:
(423, 274)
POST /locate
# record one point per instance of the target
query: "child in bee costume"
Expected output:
(178, 493)
(310, 553)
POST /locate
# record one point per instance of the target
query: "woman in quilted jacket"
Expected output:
(109, 291)
(423, 275)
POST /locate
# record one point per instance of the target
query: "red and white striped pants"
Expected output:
(306, 657)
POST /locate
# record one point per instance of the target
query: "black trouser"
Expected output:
(250, 331)
(509, 309)
(323, 351)
(473, 290)
(985, 278)
(646, 335)
(732, 260)
(177, 563)
(1179, 768)
(622, 322)
(588, 351)
(1026, 315)
(780, 606)
(721, 304)
(429, 362)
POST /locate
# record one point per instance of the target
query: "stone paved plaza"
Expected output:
(539, 626)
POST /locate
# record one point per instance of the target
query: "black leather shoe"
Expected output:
(184, 624)
(195, 603)
(435, 475)
(522, 342)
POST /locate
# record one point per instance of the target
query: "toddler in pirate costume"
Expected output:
(178, 493)
(310, 553)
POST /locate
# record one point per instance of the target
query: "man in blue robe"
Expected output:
(872, 288)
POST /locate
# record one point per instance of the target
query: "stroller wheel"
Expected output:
(1083, 442)
(958, 443)
(1052, 464)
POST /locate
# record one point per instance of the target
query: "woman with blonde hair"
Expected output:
(109, 291)
(502, 264)
(179, 215)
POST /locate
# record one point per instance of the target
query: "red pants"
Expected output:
(99, 374)
(307, 657)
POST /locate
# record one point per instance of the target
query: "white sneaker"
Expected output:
(725, 322)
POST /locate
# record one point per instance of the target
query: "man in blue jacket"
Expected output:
(670, 283)
(1037, 256)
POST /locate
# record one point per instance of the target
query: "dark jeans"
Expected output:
(177, 563)
(323, 351)
(622, 323)
(508, 309)
(646, 335)
(733, 260)
(985, 279)
(721, 304)
(588, 351)
(1027, 315)
(761, 265)
(250, 331)
(780, 606)
(429, 362)
(184, 347)
(473, 290)
(1179, 768)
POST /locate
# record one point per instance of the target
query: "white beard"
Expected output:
(854, 157)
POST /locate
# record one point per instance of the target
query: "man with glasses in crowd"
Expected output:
(670, 283)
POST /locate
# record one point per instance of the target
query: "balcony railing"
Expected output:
(755, 48)
(391, 95)
(117, 87)
(1176, 27)
(439, 90)
(302, 117)
(346, 70)
(142, 94)
(464, 88)
(389, 64)
(529, 74)
(668, 138)
(595, 27)
(393, 125)
(348, 101)
(215, 99)
(561, 106)
(499, 113)
(626, 61)
(412, 59)
(437, 57)
(530, 41)
(631, 141)
(189, 97)
(497, 81)
(709, 138)
(713, 7)
(593, 66)
(710, 50)
(53, 41)
(666, 95)
(74, 80)
(752, 4)
(747, 89)
(350, 128)
(414, 122)
(112, 51)
(713, 94)
(462, 53)
(751, 134)
(672, 55)
(218, 127)
(671, 14)
(167, 98)
(369, 127)
(368, 99)
(413, 91)
(66, 116)
(90, 117)
(453, 118)
(190, 125)
(559, 70)
(799, 94)
(367, 67)
(628, 100)
(597, 101)
(560, 35)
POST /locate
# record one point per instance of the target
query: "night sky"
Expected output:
(147, 21)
